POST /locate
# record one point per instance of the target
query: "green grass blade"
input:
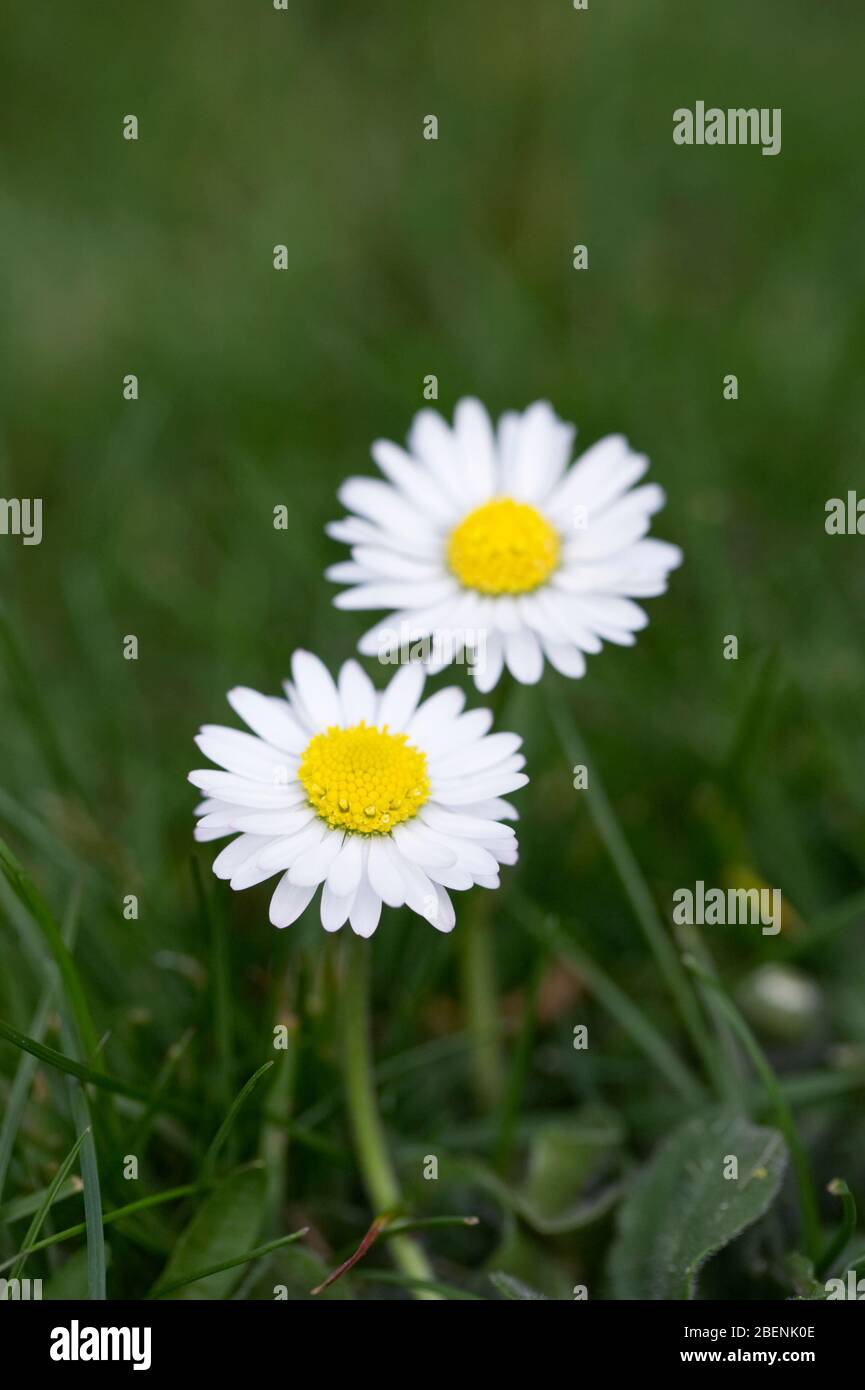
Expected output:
(631, 1019)
(171, 1194)
(25, 1071)
(45, 1206)
(636, 889)
(27, 893)
(61, 1062)
(96, 1276)
(209, 1161)
(220, 1268)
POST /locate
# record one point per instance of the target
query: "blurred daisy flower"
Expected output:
(372, 796)
(494, 538)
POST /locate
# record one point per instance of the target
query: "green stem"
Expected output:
(477, 968)
(378, 1172)
(839, 1242)
(479, 989)
(637, 891)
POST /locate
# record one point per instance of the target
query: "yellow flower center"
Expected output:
(503, 547)
(364, 779)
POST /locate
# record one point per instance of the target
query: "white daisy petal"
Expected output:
(423, 849)
(348, 572)
(524, 656)
(248, 875)
(602, 473)
(388, 592)
(240, 790)
(365, 910)
(359, 806)
(204, 833)
(485, 753)
(488, 667)
(586, 532)
(432, 442)
(268, 717)
(311, 867)
(244, 754)
(476, 448)
(493, 784)
(454, 823)
(288, 902)
(455, 877)
(443, 916)
(355, 531)
(414, 482)
(280, 823)
(383, 871)
(384, 507)
(380, 563)
(400, 700)
(494, 808)
(334, 910)
(539, 457)
(316, 690)
(357, 695)
(230, 859)
(281, 853)
(346, 870)
(445, 704)
(566, 659)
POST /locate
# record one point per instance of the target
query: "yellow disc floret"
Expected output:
(364, 779)
(503, 547)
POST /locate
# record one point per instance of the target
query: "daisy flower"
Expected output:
(493, 535)
(372, 796)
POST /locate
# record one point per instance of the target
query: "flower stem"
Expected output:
(477, 970)
(378, 1172)
(479, 990)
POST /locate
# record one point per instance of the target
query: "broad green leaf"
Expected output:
(561, 1187)
(71, 1280)
(682, 1209)
(226, 1225)
(806, 1286)
(530, 1261)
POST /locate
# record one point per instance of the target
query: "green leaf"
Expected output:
(530, 1260)
(224, 1227)
(682, 1209)
(806, 1287)
(561, 1188)
(70, 1281)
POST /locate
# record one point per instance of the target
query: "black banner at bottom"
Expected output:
(82, 1339)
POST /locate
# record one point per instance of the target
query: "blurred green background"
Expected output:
(260, 388)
